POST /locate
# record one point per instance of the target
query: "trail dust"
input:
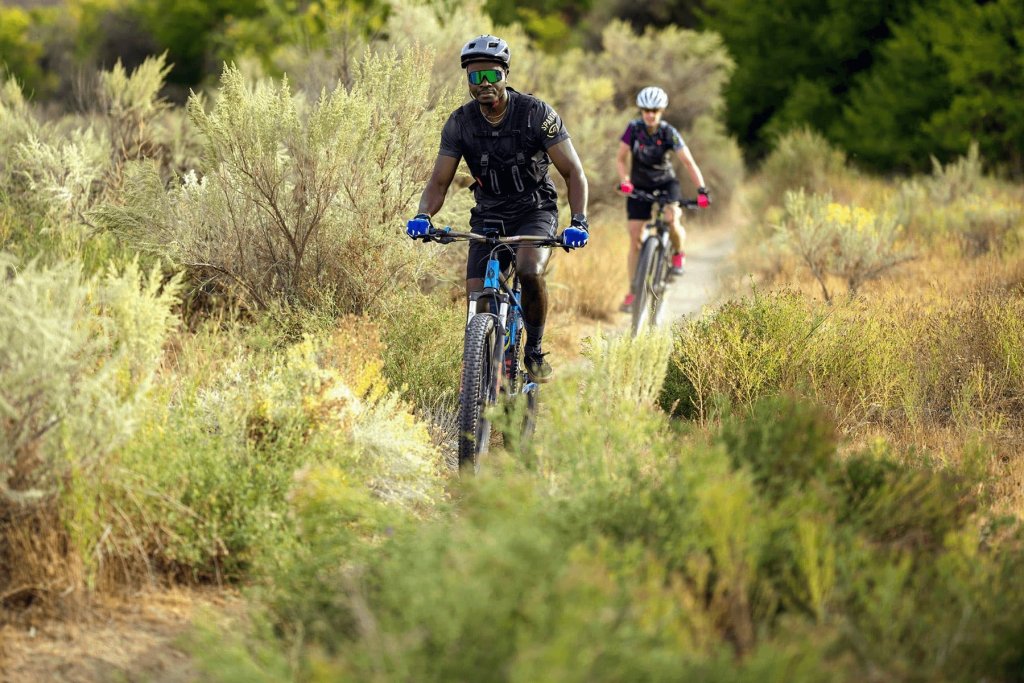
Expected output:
(126, 638)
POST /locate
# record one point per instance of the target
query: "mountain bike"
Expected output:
(492, 357)
(651, 277)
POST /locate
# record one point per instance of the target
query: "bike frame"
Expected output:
(658, 224)
(496, 288)
(491, 362)
(650, 278)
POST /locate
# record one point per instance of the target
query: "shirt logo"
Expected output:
(550, 125)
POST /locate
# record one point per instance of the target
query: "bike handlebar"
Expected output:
(662, 199)
(446, 236)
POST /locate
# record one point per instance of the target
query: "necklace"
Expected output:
(495, 121)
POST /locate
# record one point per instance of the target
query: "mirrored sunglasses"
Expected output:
(489, 75)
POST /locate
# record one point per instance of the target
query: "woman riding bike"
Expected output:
(648, 141)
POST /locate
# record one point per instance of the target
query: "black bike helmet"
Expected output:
(486, 48)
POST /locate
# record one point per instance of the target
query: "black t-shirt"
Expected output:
(540, 129)
(652, 164)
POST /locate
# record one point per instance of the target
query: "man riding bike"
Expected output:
(648, 141)
(508, 139)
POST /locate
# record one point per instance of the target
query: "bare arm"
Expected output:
(621, 160)
(691, 166)
(437, 187)
(564, 156)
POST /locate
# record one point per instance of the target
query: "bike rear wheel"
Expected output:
(646, 297)
(481, 358)
(520, 399)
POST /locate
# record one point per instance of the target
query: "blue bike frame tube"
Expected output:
(492, 279)
(513, 323)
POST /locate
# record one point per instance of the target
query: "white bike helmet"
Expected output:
(652, 97)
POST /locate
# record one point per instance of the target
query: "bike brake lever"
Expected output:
(441, 235)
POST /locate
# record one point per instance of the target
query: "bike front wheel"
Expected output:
(480, 373)
(646, 301)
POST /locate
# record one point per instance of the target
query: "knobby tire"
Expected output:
(645, 301)
(659, 285)
(480, 361)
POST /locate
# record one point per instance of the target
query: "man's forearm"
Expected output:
(578, 193)
(431, 201)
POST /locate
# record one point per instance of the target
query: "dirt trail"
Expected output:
(709, 265)
(129, 639)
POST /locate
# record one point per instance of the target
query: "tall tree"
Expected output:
(983, 46)
(796, 60)
(887, 123)
(953, 74)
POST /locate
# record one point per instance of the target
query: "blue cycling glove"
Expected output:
(419, 227)
(578, 232)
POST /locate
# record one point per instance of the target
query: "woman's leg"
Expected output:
(677, 233)
(636, 230)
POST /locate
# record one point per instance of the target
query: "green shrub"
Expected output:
(903, 506)
(422, 338)
(17, 124)
(297, 206)
(975, 225)
(800, 160)
(63, 174)
(78, 355)
(958, 179)
(785, 443)
(745, 350)
(952, 363)
(958, 206)
(203, 491)
(865, 363)
(131, 105)
(605, 414)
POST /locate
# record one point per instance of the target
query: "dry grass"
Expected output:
(135, 637)
(591, 282)
(37, 564)
(952, 302)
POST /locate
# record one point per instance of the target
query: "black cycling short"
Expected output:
(541, 223)
(640, 209)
